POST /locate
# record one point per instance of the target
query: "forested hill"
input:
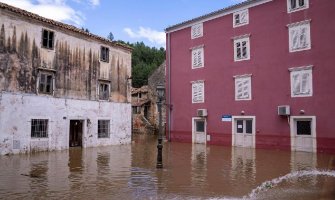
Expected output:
(144, 60)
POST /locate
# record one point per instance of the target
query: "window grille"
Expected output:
(103, 128)
(39, 128)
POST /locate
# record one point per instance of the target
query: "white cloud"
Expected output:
(153, 36)
(94, 2)
(53, 9)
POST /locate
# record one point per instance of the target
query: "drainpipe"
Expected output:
(168, 48)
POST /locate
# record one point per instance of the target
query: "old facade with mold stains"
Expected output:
(60, 86)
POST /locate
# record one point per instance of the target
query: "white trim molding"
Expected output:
(233, 128)
(293, 133)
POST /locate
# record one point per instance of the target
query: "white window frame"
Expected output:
(198, 57)
(298, 8)
(239, 14)
(195, 91)
(297, 28)
(197, 31)
(242, 78)
(299, 71)
(240, 40)
(103, 136)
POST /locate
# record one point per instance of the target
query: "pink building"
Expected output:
(257, 74)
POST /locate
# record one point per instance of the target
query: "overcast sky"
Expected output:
(128, 20)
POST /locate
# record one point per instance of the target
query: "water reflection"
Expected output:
(190, 172)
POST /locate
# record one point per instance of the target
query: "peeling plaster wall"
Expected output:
(17, 110)
(75, 60)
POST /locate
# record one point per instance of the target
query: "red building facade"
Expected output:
(257, 74)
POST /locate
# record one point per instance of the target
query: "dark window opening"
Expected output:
(104, 91)
(239, 124)
(39, 128)
(304, 128)
(237, 18)
(200, 126)
(248, 126)
(104, 54)
(103, 128)
(45, 83)
(48, 39)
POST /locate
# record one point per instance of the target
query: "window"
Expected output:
(196, 31)
(39, 128)
(197, 58)
(241, 18)
(301, 82)
(295, 5)
(104, 91)
(243, 87)
(103, 128)
(200, 126)
(48, 39)
(198, 92)
(299, 36)
(45, 85)
(104, 54)
(242, 124)
(242, 48)
(304, 127)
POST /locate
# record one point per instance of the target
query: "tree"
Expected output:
(110, 36)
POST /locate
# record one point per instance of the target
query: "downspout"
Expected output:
(169, 81)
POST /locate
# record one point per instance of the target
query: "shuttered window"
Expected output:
(197, 58)
(240, 18)
(295, 5)
(198, 92)
(196, 31)
(299, 36)
(243, 88)
(301, 83)
(241, 49)
(45, 81)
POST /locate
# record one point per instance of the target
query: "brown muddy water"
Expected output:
(190, 172)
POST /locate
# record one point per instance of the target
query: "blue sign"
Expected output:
(226, 118)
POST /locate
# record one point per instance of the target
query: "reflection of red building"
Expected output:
(256, 74)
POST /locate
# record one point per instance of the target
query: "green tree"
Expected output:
(110, 36)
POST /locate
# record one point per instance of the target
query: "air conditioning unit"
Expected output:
(284, 110)
(202, 112)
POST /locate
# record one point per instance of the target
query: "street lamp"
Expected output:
(160, 94)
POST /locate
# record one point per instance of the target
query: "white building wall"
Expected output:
(17, 110)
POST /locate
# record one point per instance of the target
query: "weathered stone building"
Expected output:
(144, 103)
(157, 78)
(60, 86)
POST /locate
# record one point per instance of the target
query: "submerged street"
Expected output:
(189, 172)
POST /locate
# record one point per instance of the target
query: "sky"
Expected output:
(128, 20)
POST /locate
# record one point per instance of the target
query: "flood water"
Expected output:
(189, 172)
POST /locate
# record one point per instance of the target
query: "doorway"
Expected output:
(76, 133)
(303, 133)
(243, 130)
(199, 130)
